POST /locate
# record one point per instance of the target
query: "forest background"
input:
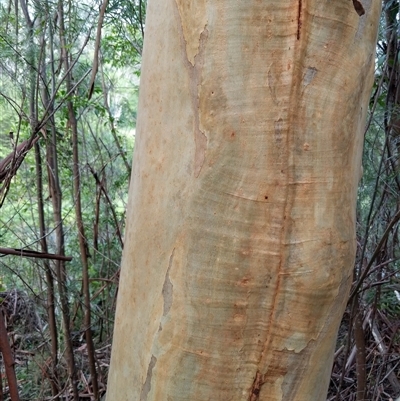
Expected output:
(69, 79)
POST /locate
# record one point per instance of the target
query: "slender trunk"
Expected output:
(43, 242)
(49, 278)
(83, 246)
(8, 359)
(56, 199)
(1, 388)
(60, 268)
(111, 122)
(102, 189)
(360, 350)
(78, 210)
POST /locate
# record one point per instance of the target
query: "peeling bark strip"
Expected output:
(168, 288)
(358, 7)
(147, 384)
(299, 20)
(194, 35)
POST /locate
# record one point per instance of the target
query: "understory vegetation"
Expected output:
(69, 78)
(68, 99)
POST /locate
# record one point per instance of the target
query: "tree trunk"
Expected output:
(51, 299)
(72, 120)
(240, 238)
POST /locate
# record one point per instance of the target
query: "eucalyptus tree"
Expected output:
(240, 239)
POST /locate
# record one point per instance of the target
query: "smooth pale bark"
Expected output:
(240, 236)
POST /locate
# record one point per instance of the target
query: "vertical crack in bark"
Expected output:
(167, 290)
(147, 384)
(256, 387)
(299, 19)
(200, 138)
(286, 155)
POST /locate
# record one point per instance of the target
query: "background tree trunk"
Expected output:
(240, 236)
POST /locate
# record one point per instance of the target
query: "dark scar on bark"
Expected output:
(358, 7)
(256, 387)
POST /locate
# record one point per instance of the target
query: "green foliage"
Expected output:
(123, 40)
(119, 50)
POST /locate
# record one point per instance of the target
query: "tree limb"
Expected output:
(28, 253)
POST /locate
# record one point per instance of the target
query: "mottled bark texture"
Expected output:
(240, 236)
